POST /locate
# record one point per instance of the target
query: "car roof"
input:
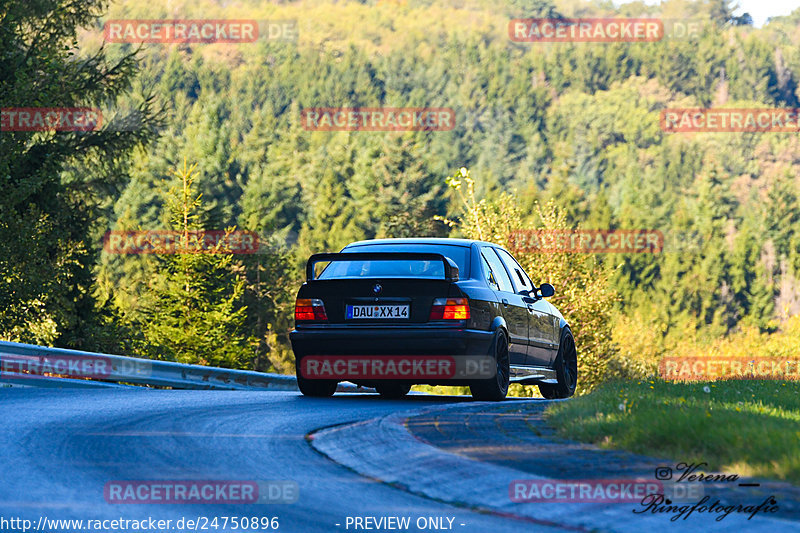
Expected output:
(422, 240)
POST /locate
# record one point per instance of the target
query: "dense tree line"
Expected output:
(573, 123)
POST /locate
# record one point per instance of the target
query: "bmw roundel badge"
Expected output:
(377, 288)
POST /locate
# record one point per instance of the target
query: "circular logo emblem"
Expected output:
(377, 288)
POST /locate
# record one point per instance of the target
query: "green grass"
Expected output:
(749, 428)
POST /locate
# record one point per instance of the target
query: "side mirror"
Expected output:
(546, 290)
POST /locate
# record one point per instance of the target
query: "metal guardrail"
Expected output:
(28, 364)
(14, 379)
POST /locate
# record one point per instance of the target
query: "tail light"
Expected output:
(309, 309)
(450, 309)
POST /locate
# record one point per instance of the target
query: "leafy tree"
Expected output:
(583, 293)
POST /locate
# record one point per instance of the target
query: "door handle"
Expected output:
(505, 302)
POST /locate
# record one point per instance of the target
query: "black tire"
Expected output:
(566, 367)
(495, 389)
(393, 389)
(318, 388)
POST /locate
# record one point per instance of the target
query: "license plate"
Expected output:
(377, 311)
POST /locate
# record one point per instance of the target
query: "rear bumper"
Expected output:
(332, 340)
(371, 355)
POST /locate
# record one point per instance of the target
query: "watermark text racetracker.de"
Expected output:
(581, 490)
(378, 118)
(602, 30)
(200, 492)
(15, 366)
(587, 241)
(50, 119)
(597, 490)
(730, 120)
(586, 30)
(720, 368)
(434, 367)
(198, 30)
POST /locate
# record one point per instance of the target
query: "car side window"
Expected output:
(498, 270)
(521, 280)
(490, 277)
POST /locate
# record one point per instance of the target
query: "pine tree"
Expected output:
(55, 184)
(192, 312)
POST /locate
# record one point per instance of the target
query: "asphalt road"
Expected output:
(62, 448)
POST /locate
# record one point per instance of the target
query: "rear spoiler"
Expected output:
(450, 266)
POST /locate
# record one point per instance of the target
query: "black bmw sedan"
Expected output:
(391, 313)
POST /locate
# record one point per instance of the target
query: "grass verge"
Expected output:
(749, 428)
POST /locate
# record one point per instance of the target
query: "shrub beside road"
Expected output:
(744, 427)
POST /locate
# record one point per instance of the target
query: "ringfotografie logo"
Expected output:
(693, 475)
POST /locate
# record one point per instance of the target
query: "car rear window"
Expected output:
(398, 269)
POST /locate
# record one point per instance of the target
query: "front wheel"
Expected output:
(495, 389)
(566, 367)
